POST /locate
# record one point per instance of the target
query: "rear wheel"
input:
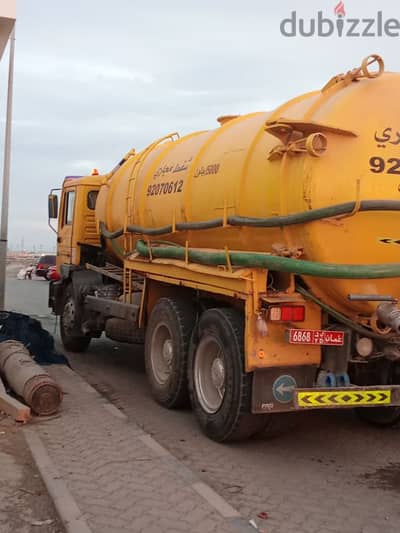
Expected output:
(166, 350)
(220, 390)
(69, 323)
(379, 416)
(383, 372)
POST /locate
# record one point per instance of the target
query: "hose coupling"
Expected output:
(389, 315)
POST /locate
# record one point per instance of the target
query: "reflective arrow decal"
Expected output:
(345, 397)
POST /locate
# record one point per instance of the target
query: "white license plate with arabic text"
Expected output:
(316, 336)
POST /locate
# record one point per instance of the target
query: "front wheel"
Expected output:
(69, 323)
(220, 390)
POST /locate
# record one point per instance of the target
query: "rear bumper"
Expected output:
(285, 389)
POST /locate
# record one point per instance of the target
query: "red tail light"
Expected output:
(287, 313)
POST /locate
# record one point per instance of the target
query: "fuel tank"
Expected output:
(338, 145)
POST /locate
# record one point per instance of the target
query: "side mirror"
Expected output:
(53, 206)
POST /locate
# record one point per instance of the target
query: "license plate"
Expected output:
(316, 336)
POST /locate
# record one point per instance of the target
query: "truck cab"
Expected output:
(78, 240)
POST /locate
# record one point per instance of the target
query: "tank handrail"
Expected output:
(132, 152)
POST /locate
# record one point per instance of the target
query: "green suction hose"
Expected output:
(253, 222)
(271, 262)
(263, 260)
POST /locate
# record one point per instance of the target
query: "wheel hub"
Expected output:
(209, 374)
(69, 316)
(168, 352)
(218, 373)
(162, 353)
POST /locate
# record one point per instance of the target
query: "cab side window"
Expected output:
(69, 207)
(91, 199)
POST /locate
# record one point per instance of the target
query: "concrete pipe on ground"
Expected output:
(28, 380)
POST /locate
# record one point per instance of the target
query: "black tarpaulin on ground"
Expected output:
(29, 331)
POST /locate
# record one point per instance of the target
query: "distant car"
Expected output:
(45, 261)
(52, 274)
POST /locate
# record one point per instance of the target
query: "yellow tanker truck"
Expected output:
(259, 261)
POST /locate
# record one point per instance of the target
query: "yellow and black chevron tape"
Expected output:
(340, 398)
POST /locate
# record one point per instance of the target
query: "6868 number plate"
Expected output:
(316, 336)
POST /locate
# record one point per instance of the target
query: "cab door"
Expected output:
(65, 249)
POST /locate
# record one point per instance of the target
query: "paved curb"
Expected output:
(68, 509)
(205, 491)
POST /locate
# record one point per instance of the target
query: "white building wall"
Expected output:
(8, 13)
(8, 9)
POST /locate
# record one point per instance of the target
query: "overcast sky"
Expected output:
(94, 78)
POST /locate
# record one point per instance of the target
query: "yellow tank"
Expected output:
(325, 148)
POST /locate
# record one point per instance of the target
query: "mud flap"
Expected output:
(273, 388)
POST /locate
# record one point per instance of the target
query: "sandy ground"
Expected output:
(25, 506)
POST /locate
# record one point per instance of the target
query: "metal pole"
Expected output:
(6, 174)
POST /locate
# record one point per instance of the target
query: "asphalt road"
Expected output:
(331, 473)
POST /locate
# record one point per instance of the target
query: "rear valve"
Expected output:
(389, 315)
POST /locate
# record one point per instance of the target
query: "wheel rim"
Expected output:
(68, 317)
(209, 374)
(162, 353)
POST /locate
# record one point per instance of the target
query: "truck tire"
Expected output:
(220, 390)
(379, 416)
(385, 373)
(68, 322)
(167, 343)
